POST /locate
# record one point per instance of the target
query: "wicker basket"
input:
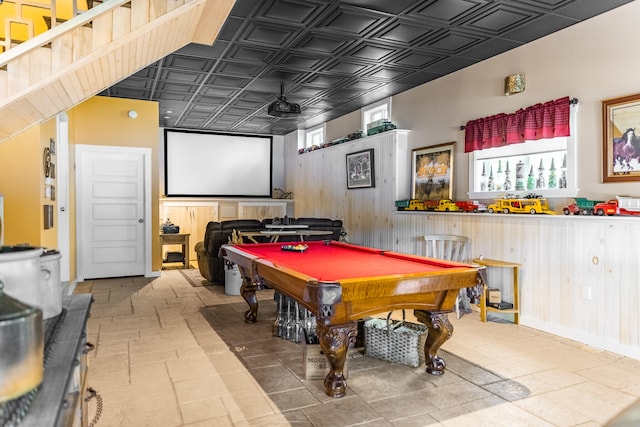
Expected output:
(395, 341)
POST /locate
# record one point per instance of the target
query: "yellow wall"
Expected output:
(34, 16)
(48, 237)
(104, 121)
(22, 181)
(97, 121)
(21, 173)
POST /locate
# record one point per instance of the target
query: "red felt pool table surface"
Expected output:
(338, 261)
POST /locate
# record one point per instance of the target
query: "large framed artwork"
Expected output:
(432, 172)
(360, 169)
(620, 143)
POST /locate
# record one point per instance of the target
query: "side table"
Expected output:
(177, 239)
(516, 294)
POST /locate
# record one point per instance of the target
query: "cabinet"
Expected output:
(261, 210)
(192, 217)
(516, 294)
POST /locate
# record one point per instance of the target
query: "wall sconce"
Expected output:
(514, 84)
(132, 114)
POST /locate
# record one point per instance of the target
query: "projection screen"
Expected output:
(199, 164)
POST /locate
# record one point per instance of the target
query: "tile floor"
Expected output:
(172, 354)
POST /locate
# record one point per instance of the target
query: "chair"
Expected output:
(451, 248)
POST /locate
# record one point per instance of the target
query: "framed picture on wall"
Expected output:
(360, 169)
(620, 143)
(432, 172)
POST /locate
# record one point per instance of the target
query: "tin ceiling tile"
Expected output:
(335, 56)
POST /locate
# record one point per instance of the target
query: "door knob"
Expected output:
(141, 220)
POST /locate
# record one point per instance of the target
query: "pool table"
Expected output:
(342, 283)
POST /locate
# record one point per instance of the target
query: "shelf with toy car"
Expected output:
(581, 206)
(531, 204)
(621, 205)
(440, 205)
(471, 206)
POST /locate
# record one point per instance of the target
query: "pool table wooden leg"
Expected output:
(335, 341)
(439, 331)
(248, 292)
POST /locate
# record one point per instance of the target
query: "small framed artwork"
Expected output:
(620, 143)
(360, 170)
(432, 172)
(52, 146)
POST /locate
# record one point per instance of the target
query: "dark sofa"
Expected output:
(211, 265)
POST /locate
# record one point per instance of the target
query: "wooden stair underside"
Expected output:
(75, 61)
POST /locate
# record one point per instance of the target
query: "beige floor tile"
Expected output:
(240, 383)
(516, 366)
(205, 409)
(581, 403)
(633, 390)
(201, 388)
(117, 384)
(151, 387)
(159, 362)
(226, 362)
(112, 366)
(157, 411)
(217, 422)
(141, 358)
(107, 350)
(546, 381)
(499, 415)
(114, 337)
(247, 406)
(190, 368)
(616, 376)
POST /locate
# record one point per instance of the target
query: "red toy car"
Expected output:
(468, 206)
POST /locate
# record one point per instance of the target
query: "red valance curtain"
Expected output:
(539, 121)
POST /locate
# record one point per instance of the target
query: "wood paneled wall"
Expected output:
(319, 183)
(579, 277)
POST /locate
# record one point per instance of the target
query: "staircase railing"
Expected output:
(57, 31)
(25, 19)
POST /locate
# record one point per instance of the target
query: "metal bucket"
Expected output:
(22, 343)
(232, 280)
(32, 275)
(50, 286)
(20, 273)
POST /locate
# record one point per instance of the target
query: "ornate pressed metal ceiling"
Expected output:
(335, 56)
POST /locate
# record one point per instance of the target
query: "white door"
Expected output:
(113, 223)
(62, 194)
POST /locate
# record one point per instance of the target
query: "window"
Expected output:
(546, 167)
(376, 111)
(314, 136)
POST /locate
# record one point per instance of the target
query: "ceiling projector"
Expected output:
(281, 107)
